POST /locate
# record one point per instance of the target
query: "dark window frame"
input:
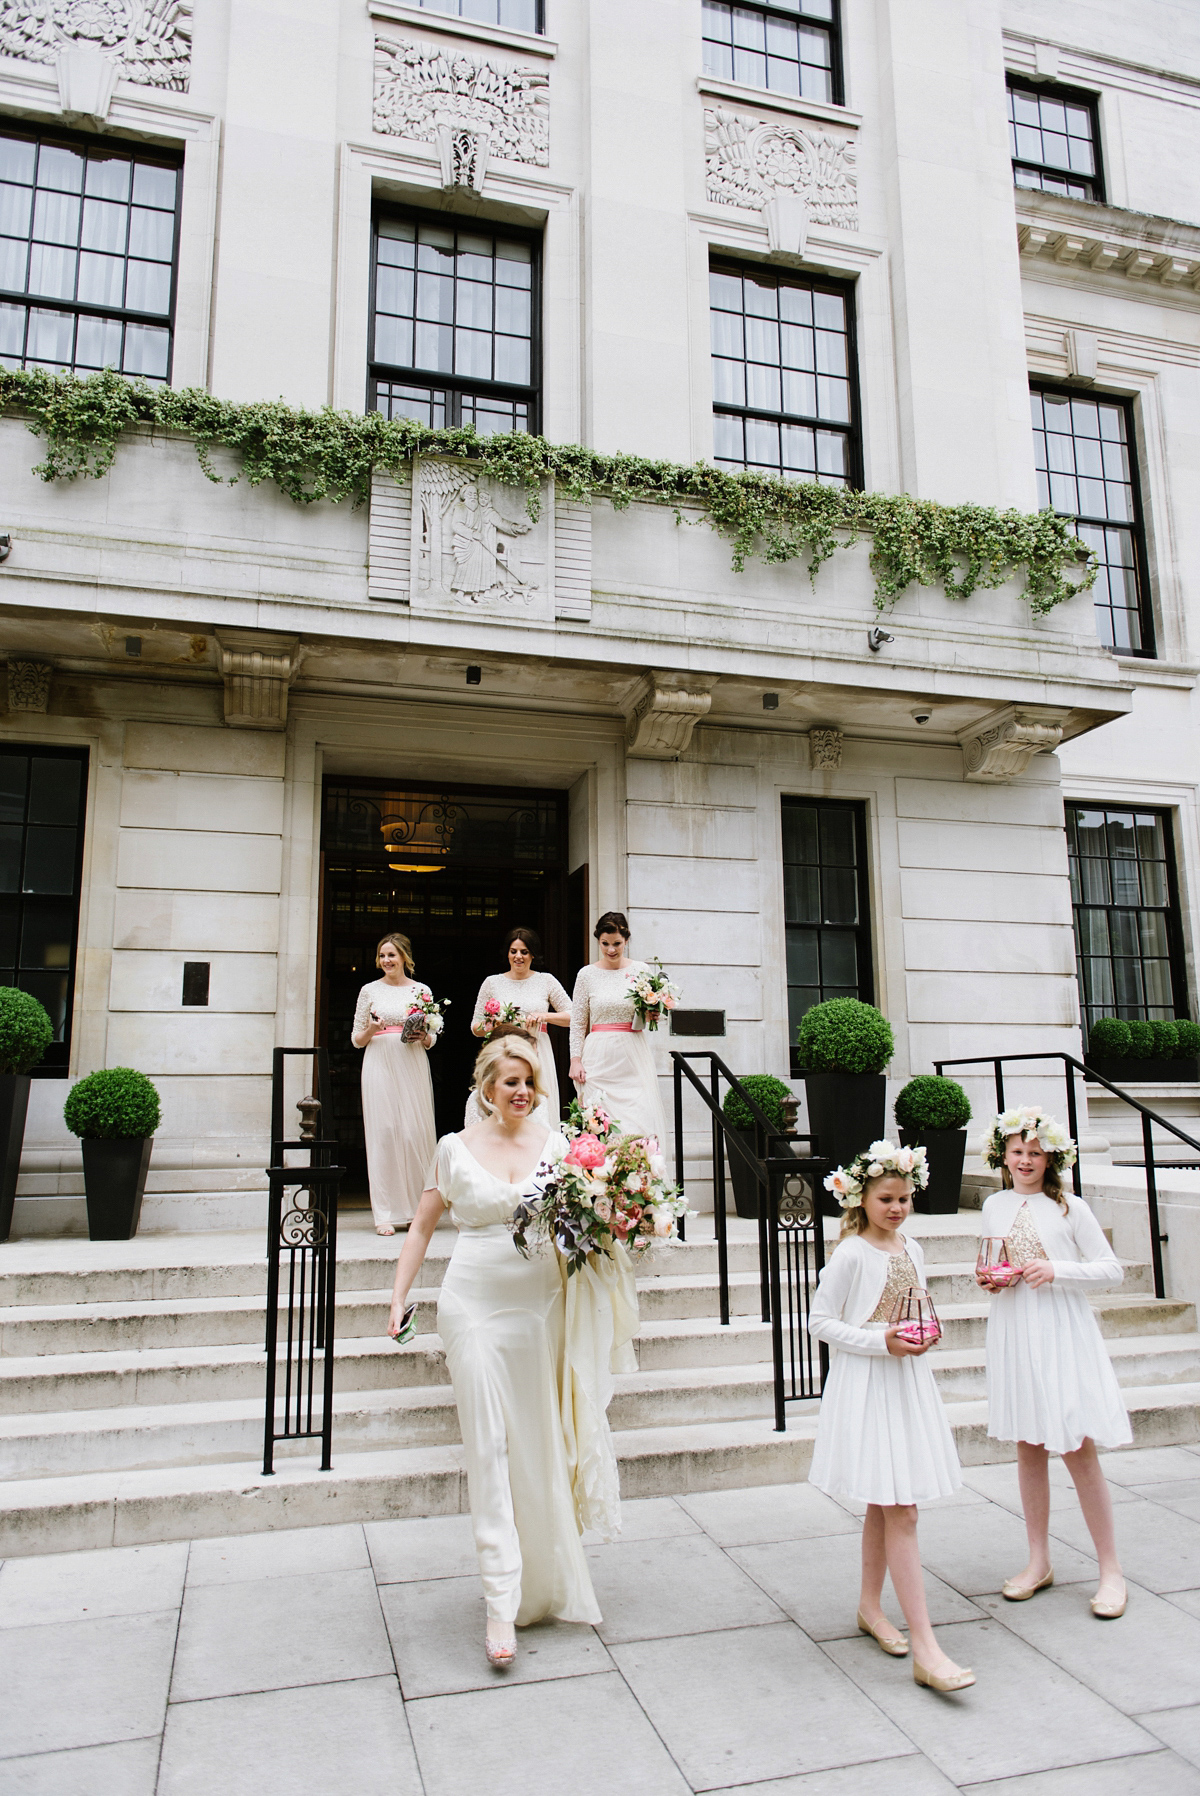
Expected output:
(28, 131)
(453, 385)
(444, 12)
(1172, 910)
(1148, 650)
(1071, 96)
(791, 15)
(56, 1062)
(862, 930)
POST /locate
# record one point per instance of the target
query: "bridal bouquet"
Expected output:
(424, 1018)
(495, 1013)
(608, 1187)
(650, 994)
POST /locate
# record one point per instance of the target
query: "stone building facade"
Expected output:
(284, 729)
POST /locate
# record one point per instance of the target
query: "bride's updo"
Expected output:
(491, 1057)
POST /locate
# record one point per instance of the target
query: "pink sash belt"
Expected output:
(391, 1029)
(606, 1028)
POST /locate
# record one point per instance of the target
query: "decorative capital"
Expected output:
(1001, 746)
(257, 669)
(825, 750)
(29, 685)
(659, 726)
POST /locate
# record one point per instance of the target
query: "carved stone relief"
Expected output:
(474, 546)
(96, 42)
(473, 109)
(29, 685)
(1001, 746)
(825, 750)
(795, 175)
(660, 721)
(258, 669)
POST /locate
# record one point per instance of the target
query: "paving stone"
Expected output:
(817, 1583)
(1158, 1547)
(1177, 1728)
(58, 1587)
(768, 1512)
(282, 1553)
(343, 1739)
(909, 1776)
(437, 1632)
(646, 1590)
(1160, 1772)
(1180, 1494)
(999, 1483)
(976, 1552)
(1149, 1659)
(130, 1769)
(1149, 1465)
(434, 1546)
(652, 1518)
(85, 1683)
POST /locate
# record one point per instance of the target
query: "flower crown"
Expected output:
(879, 1160)
(1031, 1124)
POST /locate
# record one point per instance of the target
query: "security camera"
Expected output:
(922, 714)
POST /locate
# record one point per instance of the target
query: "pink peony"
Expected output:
(491, 1008)
(585, 1150)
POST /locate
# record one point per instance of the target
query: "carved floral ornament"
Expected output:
(794, 174)
(472, 108)
(146, 41)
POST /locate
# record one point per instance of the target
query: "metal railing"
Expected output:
(307, 1235)
(1070, 1067)
(791, 1236)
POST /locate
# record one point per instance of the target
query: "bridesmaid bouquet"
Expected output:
(650, 994)
(607, 1188)
(495, 1013)
(424, 1018)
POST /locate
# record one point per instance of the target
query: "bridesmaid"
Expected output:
(539, 996)
(397, 1091)
(612, 1063)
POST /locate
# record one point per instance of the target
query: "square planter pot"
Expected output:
(846, 1113)
(14, 1102)
(945, 1151)
(746, 1188)
(1138, 1072)
(114, 1179)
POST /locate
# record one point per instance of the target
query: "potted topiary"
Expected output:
(25, 1033)
(778, 1105)
(843, 1047)
(1164, 1050)
(116, 1111)
(933, 1113)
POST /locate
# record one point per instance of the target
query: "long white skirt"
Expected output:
(1049, 1378)
(621, 1078)
(397, 1102)
(883, 1436)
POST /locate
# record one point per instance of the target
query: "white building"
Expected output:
(267, 709)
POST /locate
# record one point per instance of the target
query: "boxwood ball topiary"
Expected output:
(768, 1093)
(1166, 1038)
(928, 1102)
(1189, 1039)
(116, 1102)
(1141, 1040)
(25, 1030)
(1109, 1038)
(844, 1036)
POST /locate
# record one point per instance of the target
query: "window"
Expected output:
(826, 905)
(783, 376)
(789, 46)
(1055, 140)
(454, 336)
(1085, 470)
(88, 237)
(1126, 904)
(42, 792)
(514, 15)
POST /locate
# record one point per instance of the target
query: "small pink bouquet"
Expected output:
(424, 1018)
(495, 1013)
(653, 993)
(995, 1268)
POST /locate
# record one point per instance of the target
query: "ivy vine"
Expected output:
(331, 455)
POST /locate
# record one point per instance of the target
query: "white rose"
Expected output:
(874, 1170)
(881, 1150)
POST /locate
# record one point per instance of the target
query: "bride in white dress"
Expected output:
(541, 1000)
(531, 1357)
(612, 1063)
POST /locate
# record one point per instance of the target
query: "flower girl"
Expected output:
(883, 1438)
(1051, 1385)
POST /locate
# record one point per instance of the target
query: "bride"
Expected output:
(531, 1357)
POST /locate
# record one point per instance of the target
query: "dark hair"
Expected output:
(613, 922)
(503, 1029)
(530, 938)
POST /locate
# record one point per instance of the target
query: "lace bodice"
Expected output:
(901, 1277)
(391, 1004)
(601, 996)
(475, 1197)
(541, 991)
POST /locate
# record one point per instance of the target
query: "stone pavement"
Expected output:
(347, 1661)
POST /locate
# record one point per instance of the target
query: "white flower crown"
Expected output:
(1031, 1124)
(882, 1158)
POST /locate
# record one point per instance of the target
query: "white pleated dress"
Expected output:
(531, 1355)
(539, 992)
(618, 1061)
(397, 1102)
(882, 1436)
(1049, 1378)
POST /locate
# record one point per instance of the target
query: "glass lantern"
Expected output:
(995, 1264)
(914, 1315)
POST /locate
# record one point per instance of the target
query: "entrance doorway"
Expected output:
(454, 868)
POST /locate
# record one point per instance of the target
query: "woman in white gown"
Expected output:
(541, 1000)
(531, 1357)
(612, 1063)
(397, 1091)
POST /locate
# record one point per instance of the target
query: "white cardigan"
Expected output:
(1076, 1246)
(849, 1291)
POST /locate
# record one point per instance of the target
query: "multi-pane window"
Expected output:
(454, 335)
(1125, 898)
(1054, 140)
(42, 793)
(514, 15)
(1085, 471)
(826, 905)
(783, 376)
(87, 255)
(789, 46)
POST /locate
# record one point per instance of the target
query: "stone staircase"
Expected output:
(131, 1380)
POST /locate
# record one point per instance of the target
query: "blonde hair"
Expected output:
(1051, 1181)
(403, 948)
(854, 1221)
(491, 1057)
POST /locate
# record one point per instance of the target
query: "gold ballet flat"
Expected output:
(1021, 1593)
(898, 1646)
(1110, 1611)
(961, 1680)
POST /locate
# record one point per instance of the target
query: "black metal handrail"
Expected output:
(1071, 1066)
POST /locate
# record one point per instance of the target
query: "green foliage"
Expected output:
(768, 1093)
(331, 455)
(928, 1102)
(1141, 1041)
(844, 1036)
(116, 1101)
(1166, 1038)
(1109, 1038)
(25, 1030)
(1189, 1040)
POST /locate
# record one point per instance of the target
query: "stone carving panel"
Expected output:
(825, 749)
(472, 108)
(475, 549)
(794, 174)
(1001, 746)
(147, 41)
(29, 685)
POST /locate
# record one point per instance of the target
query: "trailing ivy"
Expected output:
(330, 455)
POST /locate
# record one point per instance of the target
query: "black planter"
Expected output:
(1126, 1071)
(846, 1113)
(945, 1151)
(14, 1102)
(114, 1178)
(746, 1188)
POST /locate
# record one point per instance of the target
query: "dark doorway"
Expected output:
(454, 868)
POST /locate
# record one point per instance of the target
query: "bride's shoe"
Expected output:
(500, 1653)
(894, 1643)
(961, 1679)
(1016, 1592)
(384, 1228)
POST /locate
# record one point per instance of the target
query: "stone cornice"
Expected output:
(742, 95)
(1088, 240)
(527, 42)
